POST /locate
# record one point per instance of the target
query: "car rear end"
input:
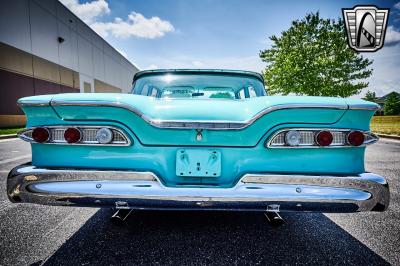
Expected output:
(140, 152)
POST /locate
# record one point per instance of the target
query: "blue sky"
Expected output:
(220, 33)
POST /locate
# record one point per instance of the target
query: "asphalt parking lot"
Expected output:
(32, 234)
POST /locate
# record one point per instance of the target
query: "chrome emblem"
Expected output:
(365, 27)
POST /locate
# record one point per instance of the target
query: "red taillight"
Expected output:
(72, 135)
(324, 138)
(40, 134)
(355, 138)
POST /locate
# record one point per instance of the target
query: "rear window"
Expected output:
(198, 86)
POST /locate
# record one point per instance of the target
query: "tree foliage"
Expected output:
(370, 96)
(221, 95)
(312, 58)
(392, 105)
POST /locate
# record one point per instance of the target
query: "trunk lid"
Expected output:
(198, 110)
(176, 121)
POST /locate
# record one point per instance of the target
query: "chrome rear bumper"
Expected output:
(143, 190)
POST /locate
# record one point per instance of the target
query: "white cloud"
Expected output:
(385, 77)
(89, 11)
(392, 36)
(135, 26)
(397, 5)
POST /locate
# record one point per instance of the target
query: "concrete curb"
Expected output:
(9, 136)
(388, 136)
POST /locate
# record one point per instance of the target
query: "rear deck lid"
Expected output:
(223, 122)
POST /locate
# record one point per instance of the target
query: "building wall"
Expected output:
(46, 49)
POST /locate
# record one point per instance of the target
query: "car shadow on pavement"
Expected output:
(193, 238)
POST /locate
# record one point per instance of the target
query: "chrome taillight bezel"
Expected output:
(57, 131)
(349, 141)
(369, 138)
(72, 128)
(318, 141)
(41, 128)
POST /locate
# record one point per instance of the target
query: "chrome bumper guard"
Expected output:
(143, 190)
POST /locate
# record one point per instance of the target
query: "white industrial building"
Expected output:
(45, 48)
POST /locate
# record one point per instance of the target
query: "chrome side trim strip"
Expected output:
(101, 104)
(33, 103)
(116, 104)
(205, 124)
(364, 107)
(144, 190)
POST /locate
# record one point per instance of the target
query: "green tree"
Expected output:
(370, 96)
(312, 58)
(221, 95)
(392, 105)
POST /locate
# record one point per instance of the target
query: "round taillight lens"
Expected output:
(72, 135)
(104, 135)
(40, 134)
(355, 138)
(292, 138)
(324, 138)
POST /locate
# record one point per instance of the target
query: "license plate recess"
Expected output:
(198, 163)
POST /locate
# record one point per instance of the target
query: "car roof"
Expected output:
(198, 71)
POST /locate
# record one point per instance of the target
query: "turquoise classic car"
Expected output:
(198, 140)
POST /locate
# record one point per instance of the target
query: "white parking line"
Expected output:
(389, 140)
(15, 159)
(6, 140)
